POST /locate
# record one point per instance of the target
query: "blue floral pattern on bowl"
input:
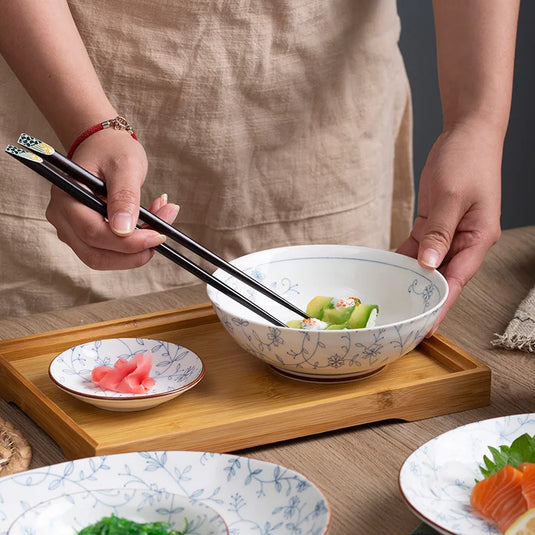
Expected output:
(410, 299)
(253, 497)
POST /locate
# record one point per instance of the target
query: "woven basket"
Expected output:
(15, 452)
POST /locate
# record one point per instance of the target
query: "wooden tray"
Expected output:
(241, 402)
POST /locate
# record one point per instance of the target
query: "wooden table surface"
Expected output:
(357, 468)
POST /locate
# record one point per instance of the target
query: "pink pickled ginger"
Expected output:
(127, 376)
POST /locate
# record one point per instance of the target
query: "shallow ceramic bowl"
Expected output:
(410, 299)
(175, 369)
(70, 513)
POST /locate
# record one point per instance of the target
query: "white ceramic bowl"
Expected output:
(175, 369)
(409, 298)
(70, 513)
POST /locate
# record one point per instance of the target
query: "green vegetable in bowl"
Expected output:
(521, 450)
(332, 313)
(114, 525)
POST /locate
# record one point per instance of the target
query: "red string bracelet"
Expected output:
(119, 123)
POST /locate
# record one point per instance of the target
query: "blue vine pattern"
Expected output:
(174, 366)
(426, 293)
(253, 497)
(437, 478)
(303, 351)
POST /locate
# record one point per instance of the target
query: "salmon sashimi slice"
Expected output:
(521, 466)
(528, 483)
(129, 376)
(499, 497)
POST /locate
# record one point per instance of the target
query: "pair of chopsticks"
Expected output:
(61, 171)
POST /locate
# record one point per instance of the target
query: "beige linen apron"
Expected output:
(270, 122)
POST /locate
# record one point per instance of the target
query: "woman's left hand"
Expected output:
(458, 213)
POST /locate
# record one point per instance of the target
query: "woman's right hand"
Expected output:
(54, 67)
(112, 243)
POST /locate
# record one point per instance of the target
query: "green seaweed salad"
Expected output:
(115, 525)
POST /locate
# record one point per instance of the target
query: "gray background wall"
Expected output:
(417, 44)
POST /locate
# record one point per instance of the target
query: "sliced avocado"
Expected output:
(294, 324)
(337, 316)
(360, 316)
(316, 305)
(336, 327)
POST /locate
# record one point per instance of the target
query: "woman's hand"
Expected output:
(458, 215)
(104, 244)
(53, 65)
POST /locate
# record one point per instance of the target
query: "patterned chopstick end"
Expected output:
(35, 144)
(21, 153)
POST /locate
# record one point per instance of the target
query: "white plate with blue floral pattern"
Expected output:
(253, 497)
(437, 479)
(175, 369)
(71, 513)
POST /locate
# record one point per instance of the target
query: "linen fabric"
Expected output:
(520, 332)
(270, 122)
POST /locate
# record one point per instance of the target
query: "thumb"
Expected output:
(437, 235)
(124, 192)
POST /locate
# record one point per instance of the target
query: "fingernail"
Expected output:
(176, 208)
(430, 258)
(122, 223)
(164, 198)
(154, 241)
(431, 332)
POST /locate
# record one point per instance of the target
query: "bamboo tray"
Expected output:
(241, 402)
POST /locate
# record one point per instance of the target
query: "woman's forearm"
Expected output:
(40, 42)
(475, 50)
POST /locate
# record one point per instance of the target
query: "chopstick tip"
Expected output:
(21, 153)
(35, 144)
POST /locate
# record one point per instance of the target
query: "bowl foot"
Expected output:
(327, 379)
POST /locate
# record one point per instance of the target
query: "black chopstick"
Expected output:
(98, 186)
(37, 164)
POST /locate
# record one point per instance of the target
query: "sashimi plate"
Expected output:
(175, 369)
(437, 479)
(253, 497)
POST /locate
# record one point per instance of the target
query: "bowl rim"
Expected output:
(433, 272)
(183, 498)
(127, 397)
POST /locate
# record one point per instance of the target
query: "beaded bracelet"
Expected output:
(118, 123)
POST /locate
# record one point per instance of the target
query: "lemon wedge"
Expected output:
(523, 525)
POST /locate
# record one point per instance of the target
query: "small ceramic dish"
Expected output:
(71, 513)
(175, 369)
